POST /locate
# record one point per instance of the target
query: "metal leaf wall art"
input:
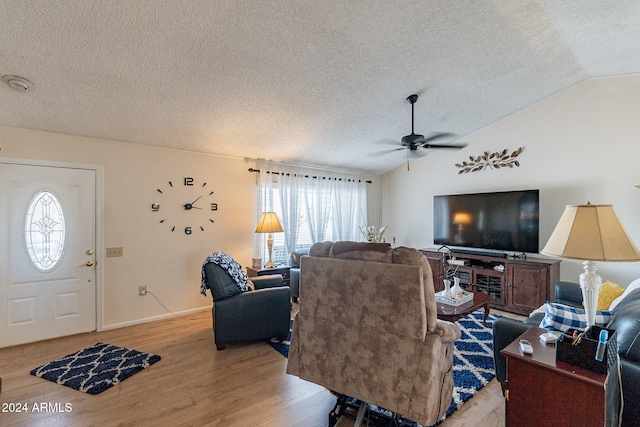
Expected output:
(497, 160)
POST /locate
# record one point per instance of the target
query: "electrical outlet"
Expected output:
(142, 290)
(114, 252)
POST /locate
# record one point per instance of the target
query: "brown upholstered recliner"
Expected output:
(367, 328)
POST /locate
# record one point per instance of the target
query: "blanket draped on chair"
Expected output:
(229, 265)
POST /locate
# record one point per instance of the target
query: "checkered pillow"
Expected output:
(560, 317)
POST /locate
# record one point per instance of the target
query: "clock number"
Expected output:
(214, 206)
(155, 207)
(187, 230)
(188, 181)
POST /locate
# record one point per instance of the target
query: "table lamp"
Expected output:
(269, 223)
(591, 233)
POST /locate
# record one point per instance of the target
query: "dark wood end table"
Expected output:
(543, 391)
(452, 313)
(282, 270)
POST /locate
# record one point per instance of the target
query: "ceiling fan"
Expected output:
(413, 141)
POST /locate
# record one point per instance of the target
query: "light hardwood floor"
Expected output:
(193, 384)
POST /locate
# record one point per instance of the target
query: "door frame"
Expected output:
(99, 237)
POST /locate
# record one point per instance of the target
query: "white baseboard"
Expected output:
(153, 318)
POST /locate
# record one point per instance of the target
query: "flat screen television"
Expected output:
(505, 221)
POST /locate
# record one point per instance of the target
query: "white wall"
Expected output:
(580, 145)
(167, 263)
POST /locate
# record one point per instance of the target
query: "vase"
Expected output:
(457, 289)
(447, 289)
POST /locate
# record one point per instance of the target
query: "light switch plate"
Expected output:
(114, 252)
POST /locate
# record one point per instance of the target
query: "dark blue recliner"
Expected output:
(294, 271)
(247, 316)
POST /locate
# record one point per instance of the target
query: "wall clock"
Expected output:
(185, 206)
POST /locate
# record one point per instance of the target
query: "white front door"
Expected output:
(47, 252)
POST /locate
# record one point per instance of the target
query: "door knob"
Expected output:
(89, 252)
(88, 263)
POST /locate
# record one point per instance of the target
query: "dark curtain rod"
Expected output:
(309, 176)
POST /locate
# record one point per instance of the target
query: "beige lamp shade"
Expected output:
(593, 233)
(269, 223)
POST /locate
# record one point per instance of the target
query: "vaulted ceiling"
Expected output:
(299, 81)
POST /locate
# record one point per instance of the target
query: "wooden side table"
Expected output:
(282, 270)
(545, 392)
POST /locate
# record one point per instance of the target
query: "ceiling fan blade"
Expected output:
(387, 141)
(438, 135)
(454, 146)
(382, 153)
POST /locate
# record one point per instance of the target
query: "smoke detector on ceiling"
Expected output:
(17, 83)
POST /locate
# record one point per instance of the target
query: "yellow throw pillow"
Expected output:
(608, 293)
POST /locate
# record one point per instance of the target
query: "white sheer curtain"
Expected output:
(349, 202)
(317, 195)
(281, 193)
(265, 204)
(290, 188)
(311, 209)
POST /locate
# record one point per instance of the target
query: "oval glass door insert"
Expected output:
(44, 231)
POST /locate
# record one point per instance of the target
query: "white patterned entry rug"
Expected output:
(96, 368)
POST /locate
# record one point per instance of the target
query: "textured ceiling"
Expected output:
(306, 82)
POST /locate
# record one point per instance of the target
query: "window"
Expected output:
(311, 210)
(44, 231)
(280, 252)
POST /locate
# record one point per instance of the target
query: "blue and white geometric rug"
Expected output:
(472, 358)
(472, 361)
(96, 368)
